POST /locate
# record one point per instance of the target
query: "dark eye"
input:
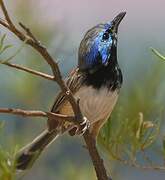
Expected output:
(105, 36)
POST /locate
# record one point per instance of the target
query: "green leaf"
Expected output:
(158, 54)
(2, 41)
(163, 143)
(5, 48)
(17, 52)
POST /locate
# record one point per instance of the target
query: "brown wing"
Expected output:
(61, 105)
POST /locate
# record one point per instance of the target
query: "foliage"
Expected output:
(4, 47)
(158, 54)
(7, 163)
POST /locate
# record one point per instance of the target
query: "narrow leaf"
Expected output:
(2, 41)
(158, 54)
(15, 54)
(5, 48)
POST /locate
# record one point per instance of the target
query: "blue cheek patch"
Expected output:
(91, 56)
(104, 57)
(99, 51)
(104, 50)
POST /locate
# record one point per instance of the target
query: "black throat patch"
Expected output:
(110, 76)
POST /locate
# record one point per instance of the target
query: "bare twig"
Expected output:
(4, 23)
(96, 159)
(29, 33)
(35, 113)
(34, 43)
(31, 71)
(7, 17)
(23, 112)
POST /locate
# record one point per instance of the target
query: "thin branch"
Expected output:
(96, 159)
(7, 17)
(23, 112)
(4, 23)
(29, 33)
(35, 113)
(31, 71)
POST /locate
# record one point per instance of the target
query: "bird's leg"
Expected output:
(83, 125)
(81, 128)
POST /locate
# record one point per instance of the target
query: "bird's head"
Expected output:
(98, 46)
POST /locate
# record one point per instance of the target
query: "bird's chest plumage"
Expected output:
(95, 104)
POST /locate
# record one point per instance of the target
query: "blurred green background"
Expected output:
(60, 25)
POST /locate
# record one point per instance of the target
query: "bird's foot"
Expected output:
(81, 128)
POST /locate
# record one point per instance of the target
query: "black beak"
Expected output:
(116, 21)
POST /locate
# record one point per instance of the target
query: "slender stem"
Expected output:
(31, 71)
(158, 54)
(29, 33)
(7, 17)
(96, 159)
(4, 23)
(23, 112)
(36, 113)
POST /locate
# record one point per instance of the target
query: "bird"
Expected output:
(96, 82)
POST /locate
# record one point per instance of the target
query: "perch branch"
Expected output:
(96, 159)
(4, 23)
(35, 113)
(34, 43)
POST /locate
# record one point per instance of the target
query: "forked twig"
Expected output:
(29, 33)
(35, 113)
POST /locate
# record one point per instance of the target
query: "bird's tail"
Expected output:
(28, 154)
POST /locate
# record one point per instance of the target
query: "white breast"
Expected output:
(96, 104)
